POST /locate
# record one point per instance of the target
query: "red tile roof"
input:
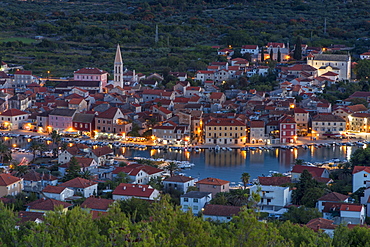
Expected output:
(221, 210)
(13, 112)
(251, 47)
(7, 179)
(53, 189)
(97, 203)
(315, 171)
(47, 204)
(213, 181)
(299, 110)
(137, 190)
(23, 72)
(274, 181)
(225, 122)
(134, 169)
(351, 207)
(257, 124)
(320, 223)
(32, 175)
(178, 179)
(78, 183)
(109, 114)
(26, 216)
(357, 169)
(92, 71)
(216, 95)
(100, 151)
(333, 197)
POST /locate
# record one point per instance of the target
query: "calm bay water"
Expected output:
(229, 165)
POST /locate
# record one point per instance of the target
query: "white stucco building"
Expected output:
(195, 201)
(337, 63)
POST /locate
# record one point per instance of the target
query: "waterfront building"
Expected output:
(327, 125)
(225, 131)
(359, 122)
(257, 132)
(13, 119)
(287, 129)
(301, 117)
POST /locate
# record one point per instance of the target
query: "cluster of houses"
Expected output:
(91, 105)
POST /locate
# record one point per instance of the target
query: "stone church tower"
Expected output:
(118, 68)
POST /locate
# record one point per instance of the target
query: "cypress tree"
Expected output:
(297, 55)
(272, 53)
(278, 56)
(262, 54)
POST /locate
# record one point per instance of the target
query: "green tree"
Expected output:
(278, 56)
(305, 185)
(172, 167)
(297, 55)
(245, 179)
(56, 138)
(73, 171)
(262, 53)
(362, 69)
(136, 209)
(301, 215)
(272, 54)
(361, 157)
(5, 152)
(156, 183)
(34, 147)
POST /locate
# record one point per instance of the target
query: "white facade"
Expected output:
(13, 122)
(340, 64)
(183, 187)
(273, 198)
(153, 196)
(205, 76)
(359, 180)
(195, 201)
(257, 135)
(60, 197)
(353, 217)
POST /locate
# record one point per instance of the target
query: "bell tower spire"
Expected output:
(118, 68)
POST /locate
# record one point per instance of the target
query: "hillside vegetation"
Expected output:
(85, 33)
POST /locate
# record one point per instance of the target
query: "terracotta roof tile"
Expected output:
(47, 204)
(178, 179)
(221, 210)
(53, 189)
(213, 181)
(13, 112)
(274, 181)
(7, 179)
(320, 223)
(137, 190)
(333, 197)
(97, 203)
(78, 183)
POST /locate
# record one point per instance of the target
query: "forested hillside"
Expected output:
(85, 33)
(163, 225)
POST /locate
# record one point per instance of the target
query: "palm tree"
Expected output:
(34, 147)
(245, 179)
(5, 152)
(56, 141)
(21, 170)
(172, 167)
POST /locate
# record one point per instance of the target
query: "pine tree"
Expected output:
(297, 55)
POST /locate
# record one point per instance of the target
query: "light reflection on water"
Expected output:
(229, 165)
